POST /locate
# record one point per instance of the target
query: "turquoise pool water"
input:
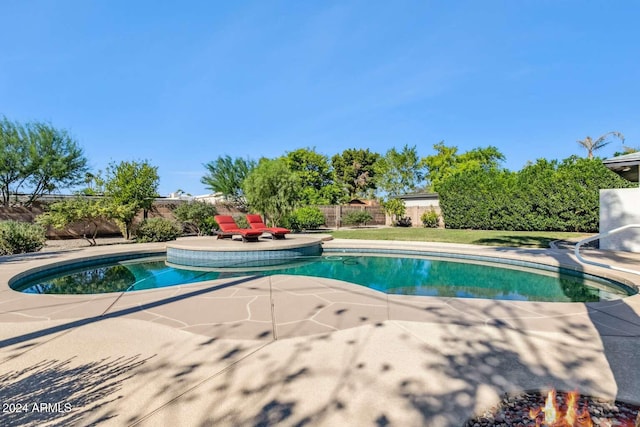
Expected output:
(390, 274)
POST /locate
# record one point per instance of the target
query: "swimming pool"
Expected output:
(393, 274)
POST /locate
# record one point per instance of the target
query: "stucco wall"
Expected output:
(422, 202)
(620, 207)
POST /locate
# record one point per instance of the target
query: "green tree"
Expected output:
(273, 190)
(87, 211)
(55, 160)
(354, 171)
(315, 172)
(399, 172)
(129, 188)
(38, 158)
(447, 162)
(592, 145)
(226, 175)
(13, 150)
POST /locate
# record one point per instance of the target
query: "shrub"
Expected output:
(197, 217)
(429, 219)
(543, 196)
(306, 218)
(394, 208)
(357, 218)
(208, 227)
(20, 237)
(157, 230)
(241, 221)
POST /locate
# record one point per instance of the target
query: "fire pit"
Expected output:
(551, 409)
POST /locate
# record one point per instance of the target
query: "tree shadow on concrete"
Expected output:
(436, 372)
(389, 374)
(475, 357)
(63, 393)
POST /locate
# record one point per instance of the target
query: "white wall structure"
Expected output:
(418, 203)
(620, 207)
(420, 199)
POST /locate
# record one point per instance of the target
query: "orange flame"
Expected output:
(555, 417)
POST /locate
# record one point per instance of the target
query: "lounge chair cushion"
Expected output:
(228, 228)
(256, 223)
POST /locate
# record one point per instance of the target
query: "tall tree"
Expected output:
(399, 172)
(316, 173)
(129, 188)
(226, 175)
(55, 160)
(37, 158)
(273, 190)
(440, 165)
(592, 145)
(13, 150)
(354, 170)
(447, 161)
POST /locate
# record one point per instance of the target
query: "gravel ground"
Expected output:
(514, 411)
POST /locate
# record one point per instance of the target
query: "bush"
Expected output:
(20, 237)
(208, 227)
(357, 218)
(543, 196)
(429, 219)
(197, 217)
(241, 221)
(394, 207)
(306, 218)
(157, 230)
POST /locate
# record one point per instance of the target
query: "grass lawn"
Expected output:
(527, 239)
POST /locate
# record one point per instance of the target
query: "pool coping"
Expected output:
(605, 322)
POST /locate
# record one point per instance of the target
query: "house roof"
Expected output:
(627, 166)
(419, 196)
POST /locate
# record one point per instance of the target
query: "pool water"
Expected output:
(390, 274)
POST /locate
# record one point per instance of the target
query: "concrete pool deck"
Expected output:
(287, 350)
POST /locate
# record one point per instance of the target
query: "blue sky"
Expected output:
(180, 83)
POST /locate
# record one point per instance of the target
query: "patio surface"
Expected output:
(290, 350)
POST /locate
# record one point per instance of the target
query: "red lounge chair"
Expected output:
(229, 228)
(255, 222)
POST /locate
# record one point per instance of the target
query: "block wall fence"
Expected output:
(164, 209)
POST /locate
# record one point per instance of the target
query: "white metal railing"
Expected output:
(599, 236)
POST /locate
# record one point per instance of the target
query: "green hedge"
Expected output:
(544, 196)
(20, 237)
